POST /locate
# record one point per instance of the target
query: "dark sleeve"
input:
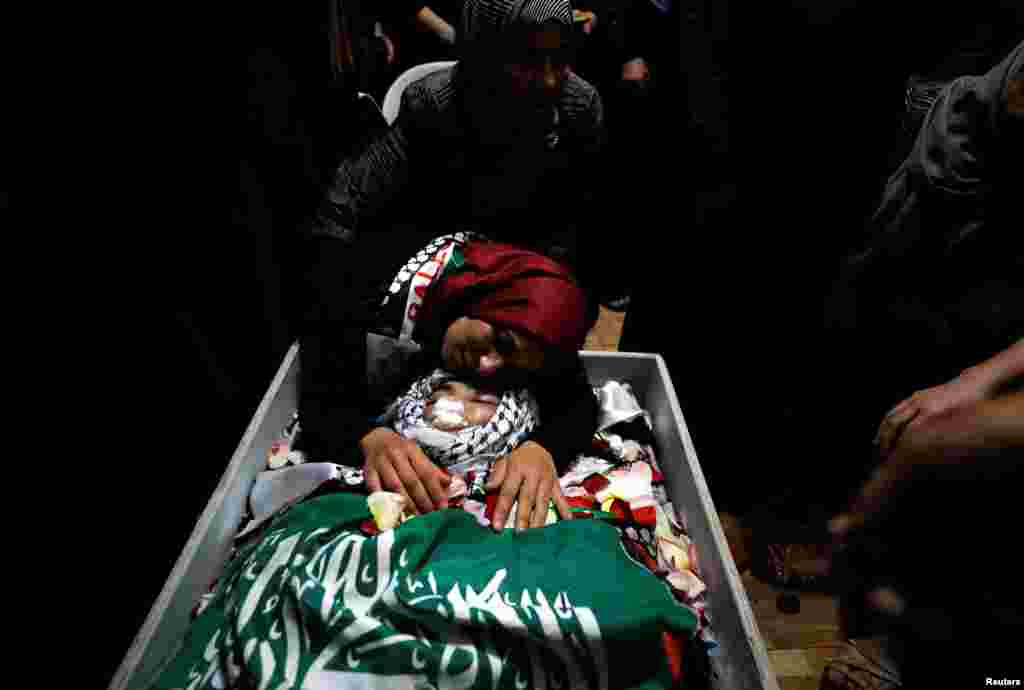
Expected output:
(366, 182)
(341, 292)
(346, 253)
(569, 413)
(334, 410)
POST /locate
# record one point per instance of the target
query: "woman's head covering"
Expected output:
(516, 416)
(962, 131)
(483, 20)
(494, 115)
(511, 288)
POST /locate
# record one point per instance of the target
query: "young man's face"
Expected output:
(483, 351)
(456, 405)
(537, 70)
(530, 65)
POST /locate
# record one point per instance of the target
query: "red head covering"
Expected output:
(513, 288)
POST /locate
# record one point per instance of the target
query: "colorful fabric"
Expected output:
(438, 602)
(512, 288)
(625, 488)
(516, 416)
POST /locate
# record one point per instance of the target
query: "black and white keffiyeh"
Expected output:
(516, 416)
(404, 296)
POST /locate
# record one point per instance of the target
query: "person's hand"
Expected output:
(961, 443)
(966, 444)
(394, 463)
(590, 23)
(447, 34)
(527, 473)
(931, 403)
(635, 70)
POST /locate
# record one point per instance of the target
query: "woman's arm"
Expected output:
(569, 415)
(332, 378)
(341, 271)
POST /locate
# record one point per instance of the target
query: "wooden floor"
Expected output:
(799, 645)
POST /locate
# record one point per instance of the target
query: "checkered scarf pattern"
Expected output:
(516, 416)
(405, 274)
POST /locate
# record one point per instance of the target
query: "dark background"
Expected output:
(794, 114)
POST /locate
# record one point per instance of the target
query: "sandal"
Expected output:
(855, 669)
(793, 557)
(798, 567)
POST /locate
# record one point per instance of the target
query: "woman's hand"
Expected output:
(394, 463)
(527, 473)
(932, 403)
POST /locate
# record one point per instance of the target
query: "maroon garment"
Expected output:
(512, 288)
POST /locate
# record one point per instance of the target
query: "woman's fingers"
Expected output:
(496, 476)
(561, 504)
(509, 491)
(527, 500)
(411, 483)
(433, 478)
(372, 479)
(390, 481)
(539, 515)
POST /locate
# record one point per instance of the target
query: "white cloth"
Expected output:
(276, 489)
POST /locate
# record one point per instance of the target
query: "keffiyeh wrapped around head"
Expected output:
(516, 416)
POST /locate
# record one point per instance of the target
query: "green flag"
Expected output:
(439, 602)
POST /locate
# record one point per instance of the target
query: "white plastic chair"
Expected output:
(360, 96)
(393, 98)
